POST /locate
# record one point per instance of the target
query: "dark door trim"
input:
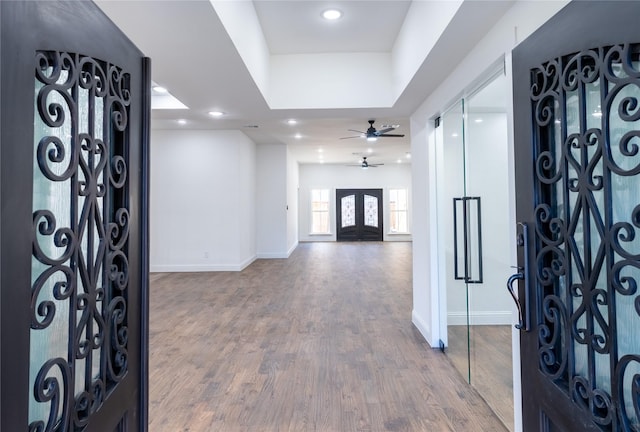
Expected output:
(360, 231)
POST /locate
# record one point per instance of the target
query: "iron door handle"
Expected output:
(466, 241)
(524, 310)
(456, 269)
(474, 266)
(512, 279)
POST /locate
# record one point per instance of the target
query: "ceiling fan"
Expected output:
(364, 164)
(372, 134)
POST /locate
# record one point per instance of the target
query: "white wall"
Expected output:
(416, 38)
(331, 80)
(241, 22)
(293, 182)
(201, 210)
(271, 201)
(332, 177)
(520, 21)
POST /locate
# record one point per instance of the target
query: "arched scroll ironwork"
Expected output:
(586, 131)
(80, 280)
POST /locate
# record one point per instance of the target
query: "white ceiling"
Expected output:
(194, 57)
(297, 27)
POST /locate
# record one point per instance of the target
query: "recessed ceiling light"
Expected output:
(331, 14)
(182, 121)
(478, 120)
(160, 89)
(369, 150)
(320, 150)
(298, 136)
(291, 121)
(216, 113)
(455, 135)
(408, 155)
(399, 160)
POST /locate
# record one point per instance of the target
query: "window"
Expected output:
(398, 205)
(320, 211)
(370, 211)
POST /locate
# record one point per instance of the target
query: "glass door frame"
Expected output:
(500, 66)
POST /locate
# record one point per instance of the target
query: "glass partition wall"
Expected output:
(475, 241)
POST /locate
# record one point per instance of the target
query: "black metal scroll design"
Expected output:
(586, 108)
(80, 240)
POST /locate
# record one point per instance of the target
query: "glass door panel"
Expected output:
(348, 211)
(490, 232)
(450, 172)
(370, 211)
(474, 226)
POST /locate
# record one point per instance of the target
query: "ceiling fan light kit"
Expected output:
(372, 134)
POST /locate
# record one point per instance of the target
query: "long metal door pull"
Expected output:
(510, 282)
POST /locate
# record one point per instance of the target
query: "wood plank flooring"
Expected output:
(322, 341)
(491, 368)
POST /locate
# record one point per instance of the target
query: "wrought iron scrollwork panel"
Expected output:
(586, 125)
(80, 278)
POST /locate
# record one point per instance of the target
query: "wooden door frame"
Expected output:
(27, 28)
(578, 27)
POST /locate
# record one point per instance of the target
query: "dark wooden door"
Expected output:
(359, 214)
(577, 137)
(74, 119)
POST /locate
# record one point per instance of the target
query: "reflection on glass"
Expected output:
(348, 205)
(370, 211)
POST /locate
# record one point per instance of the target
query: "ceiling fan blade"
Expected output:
(360, 132)
(351, 137)
(383, 131)
(391, 135)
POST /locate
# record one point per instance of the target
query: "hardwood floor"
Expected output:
(491, 364)
(322, 341)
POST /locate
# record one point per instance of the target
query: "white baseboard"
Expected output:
(423, 327)
(481, 318)
(276, 255)
(272, 255)
(186, 268)
(291, 249)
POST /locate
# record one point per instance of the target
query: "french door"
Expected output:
(73, 295)
(577, 132)
(359, 214)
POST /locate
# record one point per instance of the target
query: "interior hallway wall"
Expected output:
(518, 22)
(293, 184)
(202, 203)
(271, 201)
